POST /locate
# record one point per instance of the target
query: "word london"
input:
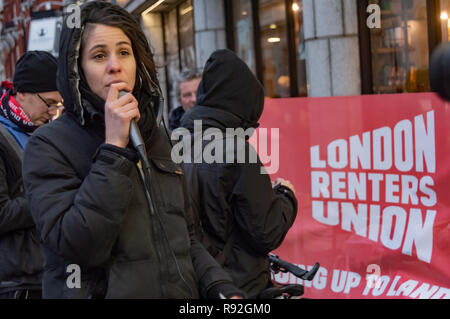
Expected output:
(378, 158)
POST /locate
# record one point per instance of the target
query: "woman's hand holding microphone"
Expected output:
(118, 114)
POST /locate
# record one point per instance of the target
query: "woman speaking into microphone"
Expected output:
(128, 227)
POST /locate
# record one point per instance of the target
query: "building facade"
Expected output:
(296, 48)
(303, 48)
(27, 25)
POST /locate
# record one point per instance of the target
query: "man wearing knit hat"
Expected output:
(27, 103)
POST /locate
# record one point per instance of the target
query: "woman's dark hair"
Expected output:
(99, 12)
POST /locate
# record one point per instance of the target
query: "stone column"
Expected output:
(209, 24)
(332, 47)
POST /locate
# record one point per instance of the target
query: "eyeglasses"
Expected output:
(55, 104)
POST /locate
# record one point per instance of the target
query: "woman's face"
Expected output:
(107, 57)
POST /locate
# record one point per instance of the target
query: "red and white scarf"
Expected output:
(11, 109)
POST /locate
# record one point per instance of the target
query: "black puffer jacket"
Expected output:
(21, 262)
(243, 217)
(90, 207)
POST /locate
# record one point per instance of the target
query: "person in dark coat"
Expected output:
(24, 106)
(109, 227)
(243, 217)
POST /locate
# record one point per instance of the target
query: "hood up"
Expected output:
(79, 100)
(229, 95)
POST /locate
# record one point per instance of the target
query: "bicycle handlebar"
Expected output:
(284, 266)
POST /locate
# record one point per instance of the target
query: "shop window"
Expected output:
(400, 47)
(243, 31)
(297, 9)
(445, 20)
(274, 48)
(268, 35)
(172, 56)
(186, 35)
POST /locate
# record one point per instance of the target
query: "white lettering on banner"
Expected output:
(357, 186)
(348, 282)
(408, 152)
(392, 292)
(338, 281)
(425, 143)
(374, 276)
(379, 290)
(360, 151)
(382, 145)
(409, 288)
(337, 154)
(381, 151)
(345, 281)
(403, 152)
(424, 292)
(315, 160)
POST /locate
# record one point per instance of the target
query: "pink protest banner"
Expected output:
(372, 177)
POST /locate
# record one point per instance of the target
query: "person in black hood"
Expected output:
(130, 232)
(243, 217)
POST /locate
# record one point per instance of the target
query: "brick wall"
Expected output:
(15, 23)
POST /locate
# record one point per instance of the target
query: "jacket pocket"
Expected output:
(168, 182)
(167, 166)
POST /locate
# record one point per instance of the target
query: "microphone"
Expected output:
(136, 137)
(135, 133)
